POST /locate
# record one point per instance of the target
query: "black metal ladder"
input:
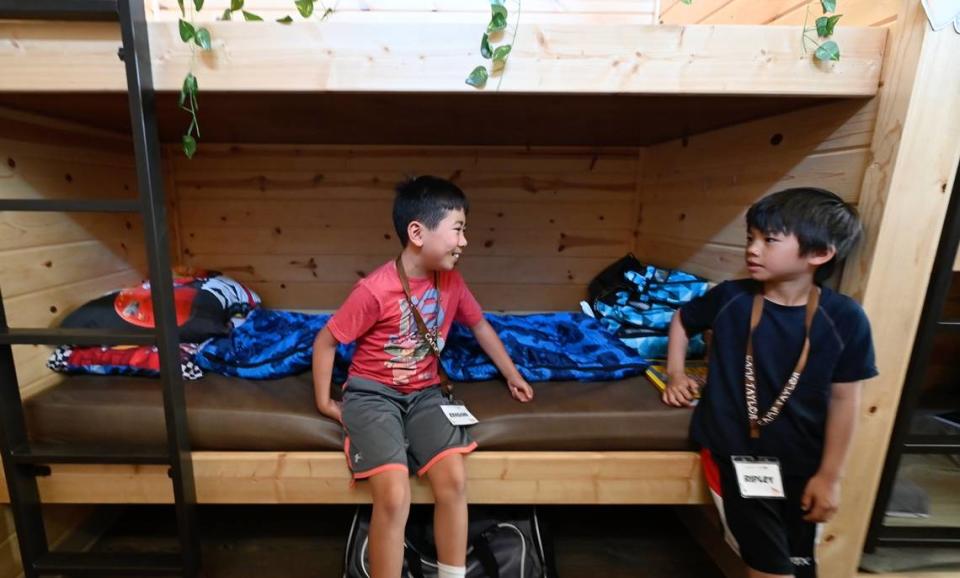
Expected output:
(23, 461)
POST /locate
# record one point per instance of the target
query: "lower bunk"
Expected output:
(263, 442)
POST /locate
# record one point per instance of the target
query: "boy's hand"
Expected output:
(821, 498)
(681, 390)
(332, 410)
(520, 389)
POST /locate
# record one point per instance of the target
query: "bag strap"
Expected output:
(414, 565)
(481, 548)
(430, 339)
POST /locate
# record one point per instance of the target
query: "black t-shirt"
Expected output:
(841, 350)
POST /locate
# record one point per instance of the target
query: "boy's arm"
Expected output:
(324, 351)
(493, 347)
(822, 495)
(681, 390)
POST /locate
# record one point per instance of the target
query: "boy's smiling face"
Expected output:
(776, 257)
(441, 248)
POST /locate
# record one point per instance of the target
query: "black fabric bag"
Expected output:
(606, 284)
(502, 542)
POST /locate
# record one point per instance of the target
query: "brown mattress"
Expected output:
(228, 413)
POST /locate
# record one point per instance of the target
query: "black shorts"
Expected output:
(769, 534)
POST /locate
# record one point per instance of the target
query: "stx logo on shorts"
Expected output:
(799, 561)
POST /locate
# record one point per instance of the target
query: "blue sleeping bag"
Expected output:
(556, 346)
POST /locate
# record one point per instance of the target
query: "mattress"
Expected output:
(226, 413)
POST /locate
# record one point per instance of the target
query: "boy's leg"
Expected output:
(375, 446)
(448, 480)
(436, 451)
(802, 535)
(756, 526)
(391, 506)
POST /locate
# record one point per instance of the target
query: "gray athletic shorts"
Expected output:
(389, 430)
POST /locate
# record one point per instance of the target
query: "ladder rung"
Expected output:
(70, 454)
(64, 336)
(71, 205)
(82, 10)
(109, 564)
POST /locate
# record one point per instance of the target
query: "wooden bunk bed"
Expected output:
(673, 180)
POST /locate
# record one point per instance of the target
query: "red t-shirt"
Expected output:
(377, 316)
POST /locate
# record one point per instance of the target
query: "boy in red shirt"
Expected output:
(400, 316)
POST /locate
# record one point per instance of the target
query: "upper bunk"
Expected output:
(602, 47)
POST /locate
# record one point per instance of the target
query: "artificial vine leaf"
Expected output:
(189, 145)
(285, 20)
(202, 38)
(187, 31)
(498, 22)
(189, 88)
(184, 94)
(182, 11)
(305, 7)
(828, 51)
(227, 15)
(500, 54)
(485, 49)
(236, 5)
(198, 4)
(828, 5)
(251, 17)
(826, 24)
(478, 78)
(500, 9)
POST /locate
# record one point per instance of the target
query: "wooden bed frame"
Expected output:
(323, 478)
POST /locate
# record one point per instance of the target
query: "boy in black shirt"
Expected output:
(786, 364)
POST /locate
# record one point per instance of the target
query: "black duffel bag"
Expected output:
(502, 542)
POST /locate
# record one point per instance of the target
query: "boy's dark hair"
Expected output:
(819, 219)
(426, 199)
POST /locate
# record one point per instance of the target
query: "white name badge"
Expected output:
(459, 414)
(758, 477)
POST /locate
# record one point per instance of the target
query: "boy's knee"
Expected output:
(393, 500)
(452, 487)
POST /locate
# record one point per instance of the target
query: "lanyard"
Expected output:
(749, 375)
(431, 339)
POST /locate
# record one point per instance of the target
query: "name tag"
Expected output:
(758, 477)
(459, 414)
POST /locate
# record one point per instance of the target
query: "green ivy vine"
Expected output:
(497, 55)
(199, 37)
(196, 37)
(823, 26)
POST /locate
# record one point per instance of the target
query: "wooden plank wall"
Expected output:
(694, 192)
(302, 224)
(777, 12)
(51, 262)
